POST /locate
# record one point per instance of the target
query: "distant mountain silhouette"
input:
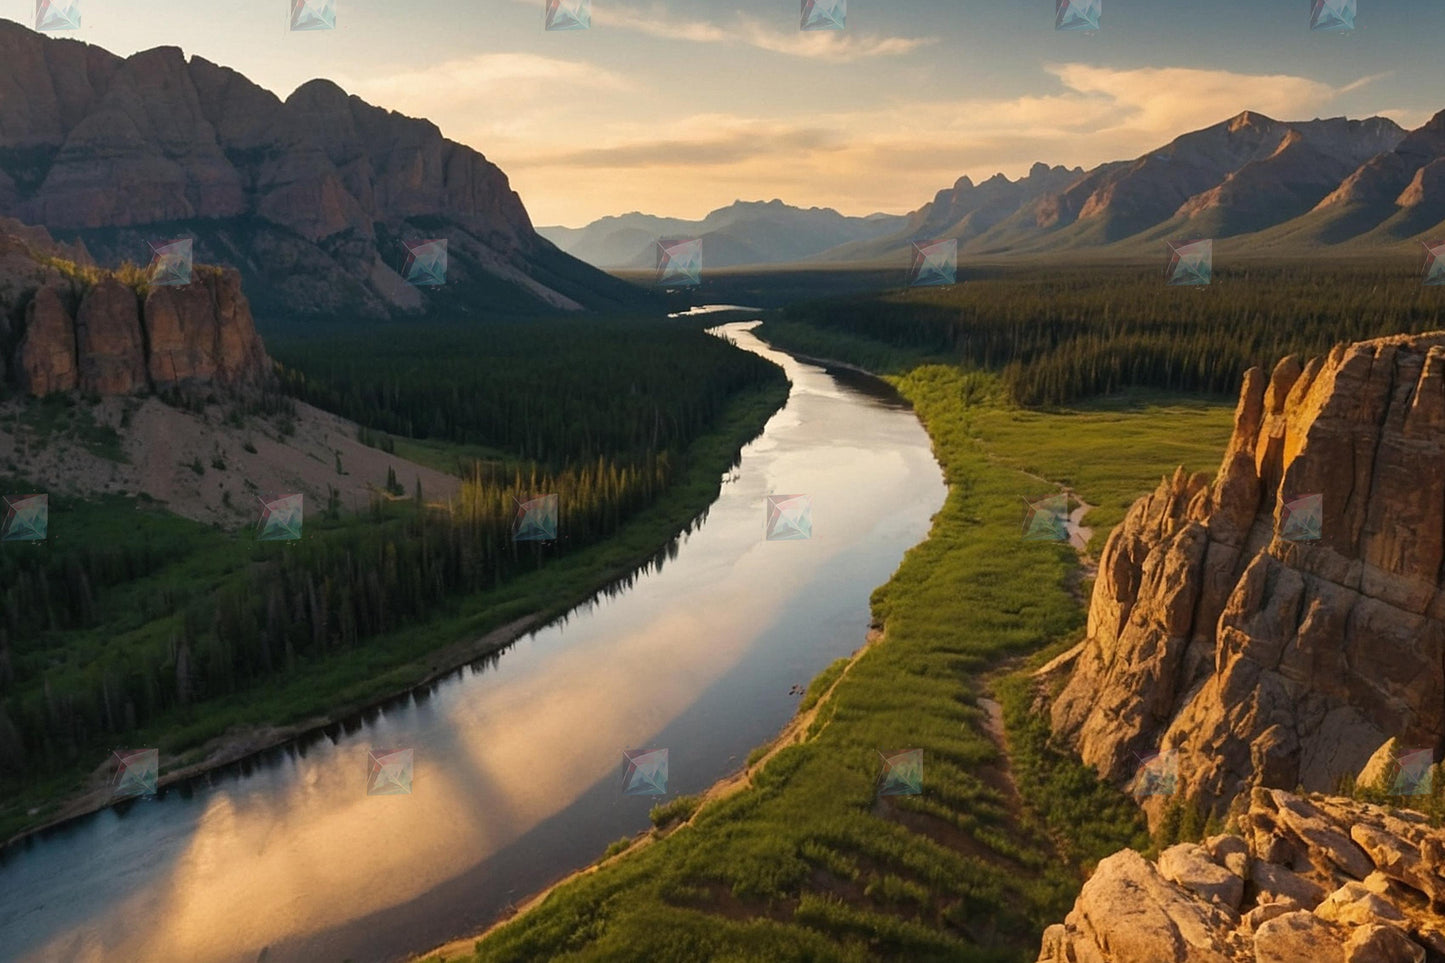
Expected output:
(745, 232)
(312, 199)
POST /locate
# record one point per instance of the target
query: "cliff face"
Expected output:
(311, 197)
(1266, 660)
(1306, 880)
(105, 339)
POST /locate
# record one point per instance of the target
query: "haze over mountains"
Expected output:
(311, 198)
(1271, 186)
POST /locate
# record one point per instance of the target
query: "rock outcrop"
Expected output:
(1267, 661)
(310, 197)
(1315, 879)
(74, 327)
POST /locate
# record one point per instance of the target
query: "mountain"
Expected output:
(743, 233)
(312, 198)
(1311, 878)
(1241, 178)
(1264, 661)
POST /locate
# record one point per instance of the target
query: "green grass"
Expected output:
(64, 416)
(808, 864)
(207, 560)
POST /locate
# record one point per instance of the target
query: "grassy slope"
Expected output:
(807, 864)
(206, 559)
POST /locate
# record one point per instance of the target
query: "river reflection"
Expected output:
(518, 767)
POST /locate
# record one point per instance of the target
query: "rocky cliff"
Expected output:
(1305, 880)
(67, 325)
(1264, 654)
(311, 198)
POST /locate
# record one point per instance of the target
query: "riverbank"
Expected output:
(804, 860)
(392, 666)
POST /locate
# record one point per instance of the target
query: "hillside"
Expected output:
(312, 198)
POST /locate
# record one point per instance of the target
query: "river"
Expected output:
(518, 760)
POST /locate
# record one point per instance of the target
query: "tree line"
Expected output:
(1058, 336)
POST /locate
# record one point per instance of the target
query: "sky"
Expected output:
(678, 107)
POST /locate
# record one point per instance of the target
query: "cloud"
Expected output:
(838, 46)
(481, 77)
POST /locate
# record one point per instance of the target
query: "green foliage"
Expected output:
(675, 810)
(1058, 335)
(809, 863)
(617, 846)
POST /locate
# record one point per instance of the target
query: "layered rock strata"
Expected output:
(1314, 879)
(1261, 659)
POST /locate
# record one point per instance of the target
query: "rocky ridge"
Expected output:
(68, 326)
(311, 198)
(1304, 879)
(1262, 661)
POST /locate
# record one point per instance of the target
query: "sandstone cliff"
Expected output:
(1264, 660)
(311, 198)
(1305, 880)
(69, 327)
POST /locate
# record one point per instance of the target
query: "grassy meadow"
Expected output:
(808, 863)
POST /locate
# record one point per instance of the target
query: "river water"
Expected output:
(518, 760)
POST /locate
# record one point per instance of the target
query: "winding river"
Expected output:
(518, 760)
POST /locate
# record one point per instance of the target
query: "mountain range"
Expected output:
(313, 199)
(1266, 185)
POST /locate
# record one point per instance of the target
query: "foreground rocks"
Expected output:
(1314, 879)
(1262, 660)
